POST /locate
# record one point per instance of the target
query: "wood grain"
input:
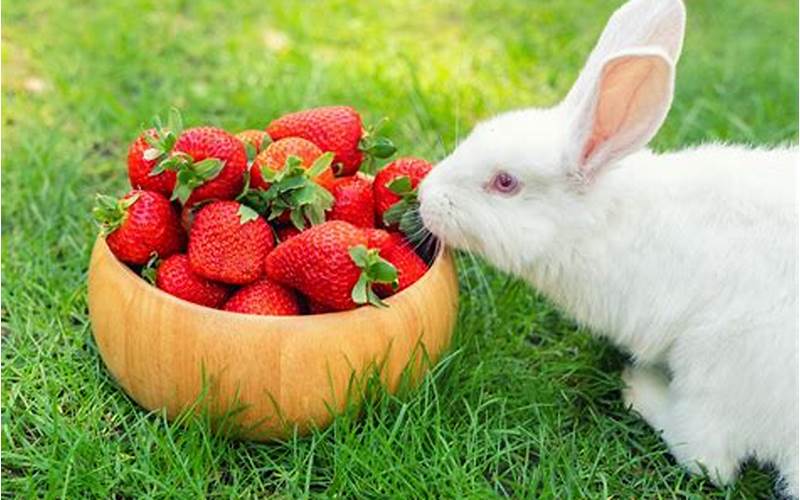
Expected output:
(284, 372)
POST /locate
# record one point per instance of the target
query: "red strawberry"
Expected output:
(138, 225)
(151, 148)
(228, 243)
(410, 267)
(276, 154)
(396, 187)
(286, 232)
(317, 308)
(264, 297)
(139, 166)
(353, 201)
(209, 164)
(376, 238)
(331, 265)
(175, 276)
(333, 128)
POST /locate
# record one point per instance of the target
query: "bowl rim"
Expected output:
(138, 281)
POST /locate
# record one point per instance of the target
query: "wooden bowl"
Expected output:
(281, 372)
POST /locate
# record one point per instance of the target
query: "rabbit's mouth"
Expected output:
(425, 243)
(433, 210)
(437, 213)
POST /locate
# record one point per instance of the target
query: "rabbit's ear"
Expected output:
(623, 111)
(638, 23)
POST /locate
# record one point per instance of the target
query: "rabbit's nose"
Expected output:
(434, 206)
(427, 193)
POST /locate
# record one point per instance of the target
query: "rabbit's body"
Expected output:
(687, 260)
(678, 242)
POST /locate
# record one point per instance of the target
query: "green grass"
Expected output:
(526, 404)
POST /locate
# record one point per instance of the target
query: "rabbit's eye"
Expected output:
(505, 183)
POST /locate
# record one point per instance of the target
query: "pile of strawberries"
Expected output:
(273, 222)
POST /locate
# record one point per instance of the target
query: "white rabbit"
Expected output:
(688, 260)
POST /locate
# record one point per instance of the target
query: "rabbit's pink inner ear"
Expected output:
(636, 24)
(591, 145)
(617, 104)
(631, 101)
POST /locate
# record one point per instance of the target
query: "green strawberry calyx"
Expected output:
(246, 214)
(374, 269)
(253, 151)
(190, 174)
(111, 212)
(164, 139)
(293, 190)
(401, 186)
(148, 271)
(404, 212)
(375, 146)
(246, 186)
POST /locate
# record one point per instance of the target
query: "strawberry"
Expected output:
(264, 297)
(175, 276)
(275, 155)
(397, 182)
(376, 238)
(138, 225)
(353, 201)
(331, 265)
(333, 128)
(139, 166)
(209, 164)
(228, 243)
(317, 308)
(150, 148)
(410, 267)
(293, 174)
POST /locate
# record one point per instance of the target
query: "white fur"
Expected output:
(688, 260)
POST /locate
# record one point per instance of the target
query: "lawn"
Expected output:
(526, 404)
